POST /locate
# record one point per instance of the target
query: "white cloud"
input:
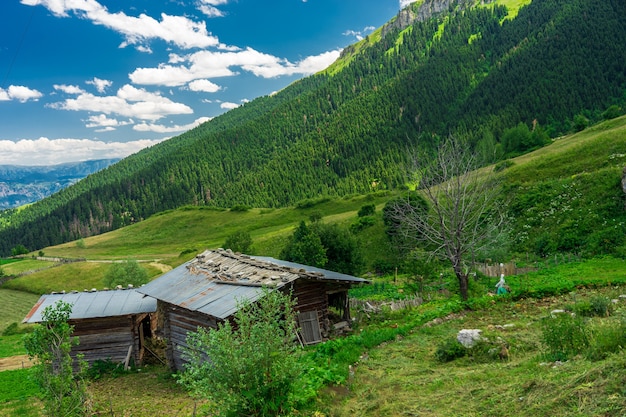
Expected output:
(210, 64)
(102, 120)
(210, 11)
(19, 93)
(204, 86)
(128, 102)
(151, 127)
(229, 106)
(359, 34)
(44, 151)
(101, 85)
(69, 89)
(404, 3)
(177, 30)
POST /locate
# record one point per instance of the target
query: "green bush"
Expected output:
(14, 328)
(564, 336)
(450, 350)
(601, 306)
(240, 208)
(367, 210)
(254, 367)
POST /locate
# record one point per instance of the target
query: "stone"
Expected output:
(469, 337)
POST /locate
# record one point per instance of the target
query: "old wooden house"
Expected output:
(110, 325)
(208, 289)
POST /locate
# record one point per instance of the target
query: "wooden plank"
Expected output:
(310, 326)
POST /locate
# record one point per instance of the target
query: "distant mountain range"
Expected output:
(21, 184)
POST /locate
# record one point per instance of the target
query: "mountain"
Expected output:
(471, 69)
(20, 184)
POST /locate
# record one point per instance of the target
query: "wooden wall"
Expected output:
(108, 338)
(177, 323)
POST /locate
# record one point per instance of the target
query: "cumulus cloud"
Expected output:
(404, 3)
(102, 120)
(205, 64)
(151, 127)
(44, 151)
(101, 85)
(19, 93)
(205, 86)
(128, 102)
(68, 89)
(228, 106)
(178, 30)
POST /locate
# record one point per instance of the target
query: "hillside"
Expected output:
(565, 198)
(473, 72)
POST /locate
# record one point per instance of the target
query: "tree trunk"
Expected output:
(463, 285)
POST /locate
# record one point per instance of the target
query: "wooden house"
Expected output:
(110, 325)
(208, 289)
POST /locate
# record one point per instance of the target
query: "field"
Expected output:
(405, 378)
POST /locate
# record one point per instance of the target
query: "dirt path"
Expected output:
(15, 362)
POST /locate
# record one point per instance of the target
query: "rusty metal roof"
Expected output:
(214, 282)
(93, 304)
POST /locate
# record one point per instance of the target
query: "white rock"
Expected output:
(468, 337)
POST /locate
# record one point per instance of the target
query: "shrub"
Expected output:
(239, 242)
(14, 328)
(362, 223)
(502, 165)
(450, 350)
(601, 306)
(64, 393)
(124, 273)
(367, 210)
(240, 208)
(253, 368)
(564, 336)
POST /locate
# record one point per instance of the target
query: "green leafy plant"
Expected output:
(249, 367)
(125, 273)
(450, 350)
(564, 336)
(239, 241)
(64, 391)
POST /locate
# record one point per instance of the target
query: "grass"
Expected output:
(14, 305)
(18, 266)
(403, 378)
(18, 394)
(68, 277)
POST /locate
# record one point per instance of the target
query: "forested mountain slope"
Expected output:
(467, 71)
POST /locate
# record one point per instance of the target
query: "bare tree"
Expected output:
(465, 213)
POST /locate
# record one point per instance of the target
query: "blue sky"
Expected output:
(89, 79)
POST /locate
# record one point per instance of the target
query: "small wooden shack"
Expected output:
(208, 289)
(110, 325)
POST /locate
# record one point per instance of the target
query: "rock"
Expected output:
(469, 337)
(553, 313)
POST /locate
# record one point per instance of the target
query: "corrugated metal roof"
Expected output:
(215, 282)
(94, 304)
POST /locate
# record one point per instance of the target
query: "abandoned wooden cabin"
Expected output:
(208, 289)
(110, 325)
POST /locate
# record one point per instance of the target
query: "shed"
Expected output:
(110, 325)
(207, 290)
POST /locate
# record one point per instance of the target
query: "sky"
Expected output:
(92, 79)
